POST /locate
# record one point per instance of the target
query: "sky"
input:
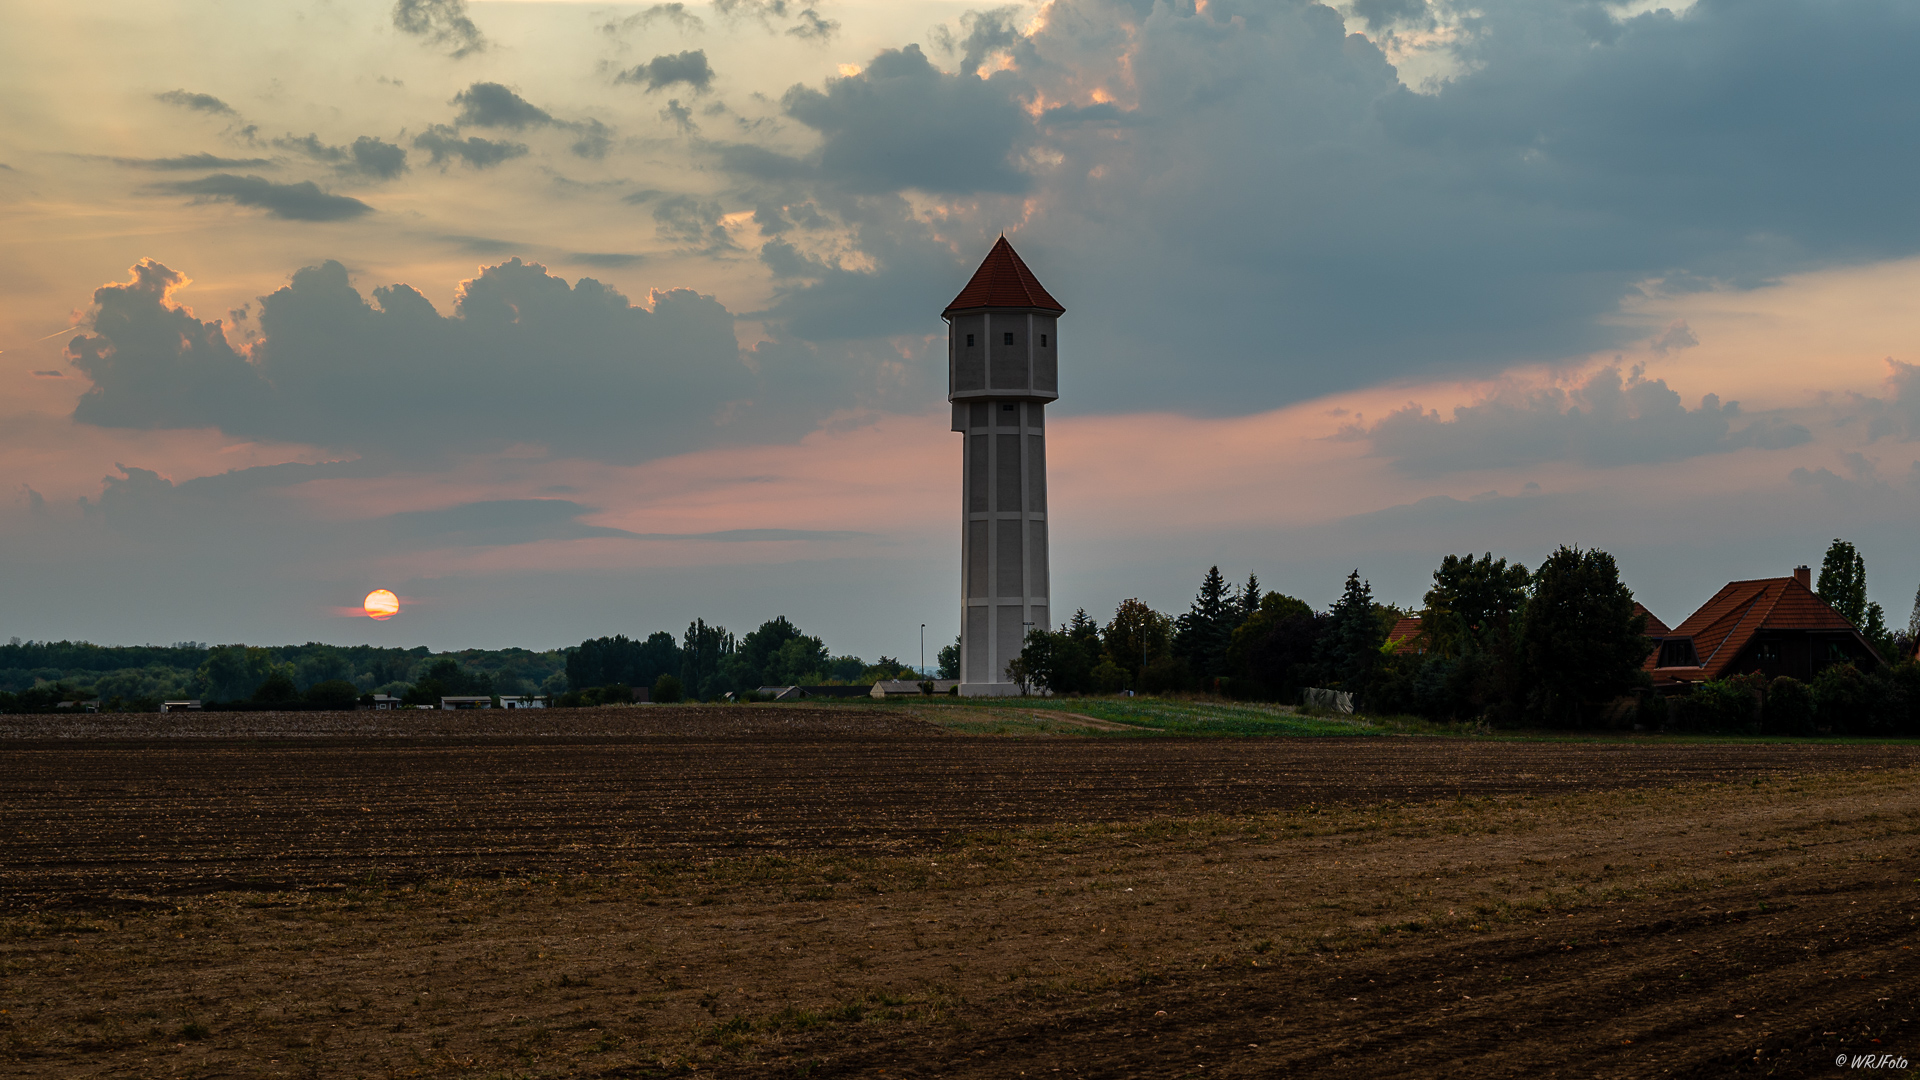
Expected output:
(569, 319)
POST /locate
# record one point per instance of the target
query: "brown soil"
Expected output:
(839, 905)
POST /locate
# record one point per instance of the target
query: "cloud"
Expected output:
(1606, 421)
(445, 144)
(1242, 156)
(197, 102)
(523, 358)
(693, 223)
(498, 522)
(809, 26)
(660, 72)
(440, 22)
(367, 156)
(185, 162)
(303, 201)
(903, 123)
(679, 116)
(593, 139)
(606, 258)
(807, 22)
(1898, 413)
(152, 364)
(675, 13)
(489, 104)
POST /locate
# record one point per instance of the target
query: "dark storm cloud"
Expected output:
(983, 34)
(1606, 421)
(820, 299)
(489, 104)
(1303, 223)
(690, 68)
(197, 102)
(445, 144)
(523, 358)
(152, 364)
(903, 123)
(444, 23)
(303, 201)
(188, 162)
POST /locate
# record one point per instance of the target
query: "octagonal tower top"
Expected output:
(1003, 281)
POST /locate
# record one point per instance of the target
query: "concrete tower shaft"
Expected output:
(1002, 369)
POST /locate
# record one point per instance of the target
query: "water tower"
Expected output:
(1002, 369)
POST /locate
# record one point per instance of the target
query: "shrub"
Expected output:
(1843, 700)
(666, 689)
(1788, 709)
(333, 694)
(1718, 705)
(278, 689)
(1109, 677)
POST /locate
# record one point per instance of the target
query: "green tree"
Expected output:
(1580, 641)
(233, 672)
(1135, 637)
(666, 689)
(1201, 635)
(1350, 648)
(703, 651)
(949, 660)
(1843, 582)
(276, 689)
(1471, 606)
(1060, 661)
(336, 694)
(1247, 600)
(1843, 585)
(1273, 652)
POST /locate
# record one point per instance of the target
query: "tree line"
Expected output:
(709, 662)
(35, 676)
(1560, 645)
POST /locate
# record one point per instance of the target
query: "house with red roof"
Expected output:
(1775, 626)
(1405, 636)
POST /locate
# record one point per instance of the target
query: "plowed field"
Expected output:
(850, 892)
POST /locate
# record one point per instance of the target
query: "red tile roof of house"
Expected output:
(1655, 628)
(1725, 624)
(1405, 635)
(1003, 281)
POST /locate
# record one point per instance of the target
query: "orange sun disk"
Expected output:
(382, 604)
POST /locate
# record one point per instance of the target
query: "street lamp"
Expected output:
(923, 650)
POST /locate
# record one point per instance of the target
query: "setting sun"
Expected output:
(382, 604)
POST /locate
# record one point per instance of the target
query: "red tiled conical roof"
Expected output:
(1003, 281)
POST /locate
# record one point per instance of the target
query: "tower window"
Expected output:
(969, 341)
(1008, 338)
(1043, 341)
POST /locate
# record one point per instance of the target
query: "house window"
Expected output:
(1008, 338)
(1043, 341)
(969, 341)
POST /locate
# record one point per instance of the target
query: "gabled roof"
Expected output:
(1725, 624)
(1003, 281)
(1405, 635)
(1655, 628)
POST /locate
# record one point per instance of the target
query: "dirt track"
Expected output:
(177, 815)
(849, 904)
